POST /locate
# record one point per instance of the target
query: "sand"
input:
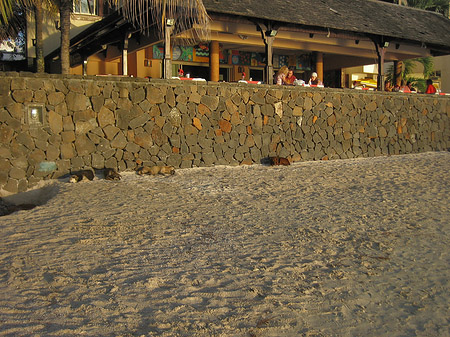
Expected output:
(356, 247)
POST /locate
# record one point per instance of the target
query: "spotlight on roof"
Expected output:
(386, 44)
(170, 22)
(273, 32)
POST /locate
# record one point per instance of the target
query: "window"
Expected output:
(89, 7)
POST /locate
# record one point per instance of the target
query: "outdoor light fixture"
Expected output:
(35, 114)
(397, 46)
(311, 35)
(170, 22)
(356, 41)
(386, 44)
(273, 32)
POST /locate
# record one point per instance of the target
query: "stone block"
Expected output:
(155, 95)
(22, 96)
(174, 117)
(258, 98)
(6, 134)
(119, 141)
(17, 83)
(211, 102)
(16, 110)
(111, 163)
(137, 95)
(76, 101)
(12, 186)
(197, 123)
(17, 173)
(139, 121)
(105, 117)
(97, 160)
(83, 127)
(225, 125)
(56, 98)
(144, 140)
(83, 145)
(55, 121)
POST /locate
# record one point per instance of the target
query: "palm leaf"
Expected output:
(147, 15)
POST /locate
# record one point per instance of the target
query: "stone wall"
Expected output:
(123, 122)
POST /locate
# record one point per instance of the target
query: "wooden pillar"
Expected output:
(319, 65)
(269, 56)
(125, 55)
(84, 67)
(214, 61)
(398, 66)
(380, 77)
(167, 56)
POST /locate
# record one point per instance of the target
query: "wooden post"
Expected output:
(214, 61)
(380, 77)
(319, 65)
(125, 55)
(167, 56)
(269, 55)
(398, 65)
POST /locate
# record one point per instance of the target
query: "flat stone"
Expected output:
(197, 123)
(76, 101)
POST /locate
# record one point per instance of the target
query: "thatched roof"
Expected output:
(369, 17)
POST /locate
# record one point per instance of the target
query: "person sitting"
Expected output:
(290, 78)
(281, 75)
(411, 88)
(314, 80)
(404, 87)
(430, 87)
(387, 86)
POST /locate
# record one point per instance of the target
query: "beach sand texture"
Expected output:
(356, 247)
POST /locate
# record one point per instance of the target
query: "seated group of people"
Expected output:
(404, 87)
(407, 87)
(285, 76)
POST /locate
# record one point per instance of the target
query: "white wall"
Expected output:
(442, 63)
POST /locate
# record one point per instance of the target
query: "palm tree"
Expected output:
(407, 66)
(440, 6)
(11, 24)
(12, 18)
(65, 8)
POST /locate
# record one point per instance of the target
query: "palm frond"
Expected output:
(147, 15)
(427, 63)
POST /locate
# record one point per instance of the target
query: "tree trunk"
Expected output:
(64, 13)
(398, 68)
(39, 16)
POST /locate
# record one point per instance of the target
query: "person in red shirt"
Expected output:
(430, 87)
(290, 78)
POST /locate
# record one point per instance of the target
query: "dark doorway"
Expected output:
(257, 74)
(196, 71)
(332, 79)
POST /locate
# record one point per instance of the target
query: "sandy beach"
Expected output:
(356, 247)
